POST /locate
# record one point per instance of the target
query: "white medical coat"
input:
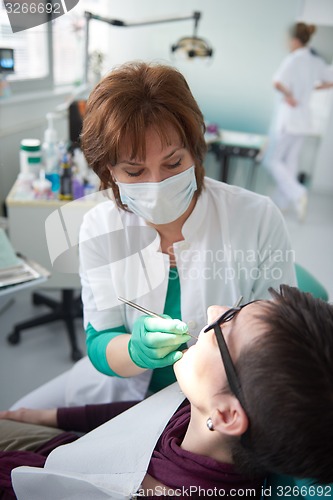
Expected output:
(235, 243)
(299, 73)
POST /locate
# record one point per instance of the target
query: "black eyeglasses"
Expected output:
(229, 366)
(230, 369)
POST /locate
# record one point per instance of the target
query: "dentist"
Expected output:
(164, 236)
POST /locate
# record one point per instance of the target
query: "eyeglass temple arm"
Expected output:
(229, 366)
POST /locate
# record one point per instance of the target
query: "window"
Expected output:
(53, 53)
(68, 40)
(31, 53)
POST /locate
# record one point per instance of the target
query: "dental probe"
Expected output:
(238, 302)
(146, 311)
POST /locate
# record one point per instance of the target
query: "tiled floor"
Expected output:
(311, 240)
(44, 352)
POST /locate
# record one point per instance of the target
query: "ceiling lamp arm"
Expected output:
(123, 24)
(196, 16)
(145, 22)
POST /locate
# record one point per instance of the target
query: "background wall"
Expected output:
(233, 89)
(24, 117)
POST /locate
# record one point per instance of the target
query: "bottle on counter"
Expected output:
(24, 189)
(50, 154)
(30, 156)
(65, 192)
(30, 162)
(42, 187)
(77, 184)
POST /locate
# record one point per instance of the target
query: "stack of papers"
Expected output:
(17, 274)
(16, 269)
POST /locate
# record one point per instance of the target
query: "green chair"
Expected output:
(279, 486)
(308, 283)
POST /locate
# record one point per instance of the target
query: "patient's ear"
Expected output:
(229, 418)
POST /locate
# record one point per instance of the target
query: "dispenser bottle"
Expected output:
(50, 154)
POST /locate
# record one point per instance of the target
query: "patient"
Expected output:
(268, 407)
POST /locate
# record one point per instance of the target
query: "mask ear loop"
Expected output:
(117, 197)
(113, 178)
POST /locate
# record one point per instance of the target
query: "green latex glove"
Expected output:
(154, 341)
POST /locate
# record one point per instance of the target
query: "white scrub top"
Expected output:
(235, 243)
(300, 72)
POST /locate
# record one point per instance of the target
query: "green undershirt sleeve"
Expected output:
(96, 347)
(97, 341)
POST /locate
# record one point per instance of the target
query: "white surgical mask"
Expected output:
(160, 202)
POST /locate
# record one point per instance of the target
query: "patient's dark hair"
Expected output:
(287, 380)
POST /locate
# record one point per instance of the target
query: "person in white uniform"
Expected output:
(164, 236)
(300, 73)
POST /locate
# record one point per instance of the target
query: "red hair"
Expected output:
(125, 103)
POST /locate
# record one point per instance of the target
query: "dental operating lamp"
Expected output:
(192, 46)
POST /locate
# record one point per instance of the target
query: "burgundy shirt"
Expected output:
(182, 470)
(170, 464)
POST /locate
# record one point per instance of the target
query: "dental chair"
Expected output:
(280, 486)
(308, 283)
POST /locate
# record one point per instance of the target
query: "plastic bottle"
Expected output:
(77, 184)
(30, 156)
(50, 154)
(65, 192)
(42, 187)
(24, 190)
